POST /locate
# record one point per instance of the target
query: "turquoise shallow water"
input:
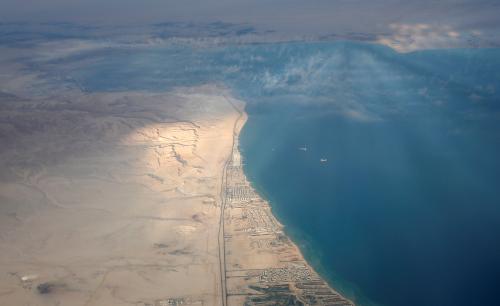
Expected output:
(406, 210)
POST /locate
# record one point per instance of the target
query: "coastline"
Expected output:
(136, 210)
(309, 252)
(261, 264)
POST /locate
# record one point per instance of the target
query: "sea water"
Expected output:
(383, 167)
(397, 198)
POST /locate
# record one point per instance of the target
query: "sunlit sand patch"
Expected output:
(185, 230)
(92, 193)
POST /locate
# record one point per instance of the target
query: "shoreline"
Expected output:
(261, 264)
(136, 210)
(238, 125)
(313, 259)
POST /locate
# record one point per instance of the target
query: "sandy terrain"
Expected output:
(135, 198)
(113, 199)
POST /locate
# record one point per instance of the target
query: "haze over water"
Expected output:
(406, 209)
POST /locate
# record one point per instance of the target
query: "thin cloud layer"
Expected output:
(411, 37)
(396, 21)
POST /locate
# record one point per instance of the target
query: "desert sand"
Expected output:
(113, 199)
(137, 198)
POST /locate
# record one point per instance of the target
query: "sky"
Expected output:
(299, 16)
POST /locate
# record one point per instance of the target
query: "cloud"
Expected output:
(475, 98)
(361, 116)
(406, 37)
(299, 73)
(354, 19)
(60, 49)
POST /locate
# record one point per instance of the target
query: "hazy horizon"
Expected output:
(304, 17)
(365, 173)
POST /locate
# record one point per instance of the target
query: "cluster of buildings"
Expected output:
(262, 265)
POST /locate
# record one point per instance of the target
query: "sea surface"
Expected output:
(405, 207)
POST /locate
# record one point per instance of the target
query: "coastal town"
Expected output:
(261, 265)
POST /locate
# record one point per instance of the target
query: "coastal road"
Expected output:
(223, 199)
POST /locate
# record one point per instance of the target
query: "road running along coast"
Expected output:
(259, 264)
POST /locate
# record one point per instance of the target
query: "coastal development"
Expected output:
(260, 264)
(133, 198)
(371, 129)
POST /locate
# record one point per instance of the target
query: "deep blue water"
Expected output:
(409, 214)
(406, 211)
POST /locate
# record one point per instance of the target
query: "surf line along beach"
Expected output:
(260, 265)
